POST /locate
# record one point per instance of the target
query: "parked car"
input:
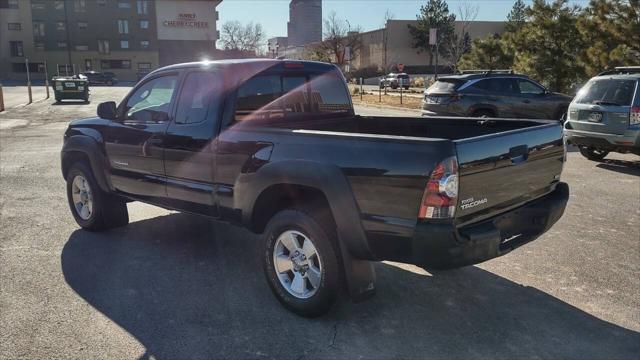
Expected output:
(494, 95)
(605, 114)
(395, 81)
(95, 77)
(276, 147)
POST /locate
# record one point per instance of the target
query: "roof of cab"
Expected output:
(312, 65)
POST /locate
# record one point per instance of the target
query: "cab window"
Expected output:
(150, 102)
(195, 97)
(527, 87)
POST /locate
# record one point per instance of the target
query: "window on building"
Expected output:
(102, 2)
(82, 47)
(9, 4)
(124, 44)
(143, 7)
(144, 66)
(62, 44)
(38, 46)
(115, 64)
(124, 4)
(103, 46)
(22, 67)
(79, 6)
(82, 25)
(87, 64)
(144, 44)
(65, 69)
(58, 4)
(61, 25)
(195, 98)
(14, 26)
(150, 102)
(123, 26)
(38, 28)
(16, 48)
(38, 6)
(144, 24)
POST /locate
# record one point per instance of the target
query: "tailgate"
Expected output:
(501, 171)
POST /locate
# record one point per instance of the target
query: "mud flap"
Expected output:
(359, 275)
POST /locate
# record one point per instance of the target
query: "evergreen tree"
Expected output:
(435, 14)
(611, 33)
(548, 45)
(486, 53)
(516, 17)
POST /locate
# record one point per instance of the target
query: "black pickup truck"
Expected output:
(275, 146)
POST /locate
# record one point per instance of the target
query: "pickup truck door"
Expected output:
(134, 142)
(188, 144)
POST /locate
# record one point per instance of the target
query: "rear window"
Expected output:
(607, 92)
(279, 96)
(444, 86)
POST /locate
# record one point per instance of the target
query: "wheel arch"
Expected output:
(85, 148)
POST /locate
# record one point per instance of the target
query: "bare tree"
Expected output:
(341, 41)
(460, 42)
(236, 36)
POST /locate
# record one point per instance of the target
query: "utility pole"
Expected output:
(46, 78)
(66, 27)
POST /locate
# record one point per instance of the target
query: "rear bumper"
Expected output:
(442, 245)
(627, 142)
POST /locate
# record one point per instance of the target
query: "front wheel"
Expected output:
(593, 153)
(300, 262)
(92, 208)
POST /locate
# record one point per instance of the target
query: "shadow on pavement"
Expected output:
(621, 166)
(186, 287)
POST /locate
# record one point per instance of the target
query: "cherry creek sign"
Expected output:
(186, 20)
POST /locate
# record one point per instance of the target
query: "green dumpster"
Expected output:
(70, 87)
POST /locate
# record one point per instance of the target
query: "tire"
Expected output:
(58, 99)
(92, 208)
(483, 113)
(561, 115)
(297, 228)
(593, 154)
(394, 86)
(406, 88)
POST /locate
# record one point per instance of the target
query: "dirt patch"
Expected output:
(388, 100)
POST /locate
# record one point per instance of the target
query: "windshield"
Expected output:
(615, 92)
(444, 86)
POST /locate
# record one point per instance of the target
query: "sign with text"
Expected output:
(186, 20)
(433, 36)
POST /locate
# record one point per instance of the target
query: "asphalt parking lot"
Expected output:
(173, 286)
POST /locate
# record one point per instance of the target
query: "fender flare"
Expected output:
(88, 145)
(328, 179)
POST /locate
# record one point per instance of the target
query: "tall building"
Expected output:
(125, 37)
(305, 22)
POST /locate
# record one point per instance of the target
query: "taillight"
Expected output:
(441, 194)
(634, 115)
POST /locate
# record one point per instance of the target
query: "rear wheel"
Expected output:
(92, 208)
(483, 113)
(593, 153)
(300, 262)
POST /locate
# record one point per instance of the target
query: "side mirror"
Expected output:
(107, 110)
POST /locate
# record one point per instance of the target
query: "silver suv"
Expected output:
(395, 81)
(605, 114)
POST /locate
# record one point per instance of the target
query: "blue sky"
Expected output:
(369, 14)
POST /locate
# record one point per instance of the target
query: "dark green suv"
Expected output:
(489, 94)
